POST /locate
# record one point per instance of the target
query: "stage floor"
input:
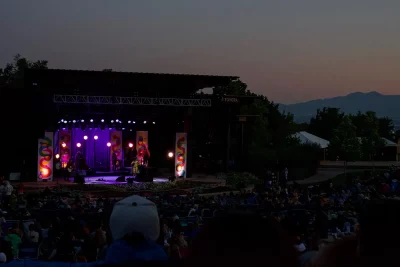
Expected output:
(111, 180)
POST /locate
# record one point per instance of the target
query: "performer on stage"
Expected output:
(143, 153)
(78, 161)
(135, 167)
(68, 169)
(114, 161)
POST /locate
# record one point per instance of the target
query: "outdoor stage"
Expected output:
(109, 180)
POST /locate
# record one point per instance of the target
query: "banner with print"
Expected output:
(180, 154)
(45, 157)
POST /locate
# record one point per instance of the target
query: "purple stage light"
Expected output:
(78, 144)
(85, 137)
(96, 137)
(108, 144)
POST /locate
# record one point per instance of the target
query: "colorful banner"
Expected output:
(64, 144)
(116, 148)
(45, 157)
(142, 145)
(180, 154)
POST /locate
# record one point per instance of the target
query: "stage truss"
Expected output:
(137, 101)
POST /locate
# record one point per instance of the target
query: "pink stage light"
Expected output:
(96, 137)
(85, 137)
(57, 156)
(108, 144)
(130, 145)
(63, 144)
(45, 172)
(78, 144)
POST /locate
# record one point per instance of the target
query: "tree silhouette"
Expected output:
(12, 75)
(345, 142)
(325, 122)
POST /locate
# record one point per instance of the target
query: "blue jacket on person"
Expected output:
(119, 253)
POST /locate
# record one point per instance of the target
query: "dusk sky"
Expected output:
(288, 50)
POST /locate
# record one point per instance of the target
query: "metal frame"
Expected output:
(138, 101)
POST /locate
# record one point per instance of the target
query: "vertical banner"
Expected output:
(142, 145)
(45, 157)
(180, 154)
(116, 149)
(64, 144)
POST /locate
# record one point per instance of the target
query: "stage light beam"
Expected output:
(96, 137)
(91, 120)
(108, 144)
(145, 122)
(63, 144)
(85, 137)
(102, 120)
(130, 145)
(78, 144)
(57, 156)
(170, 154)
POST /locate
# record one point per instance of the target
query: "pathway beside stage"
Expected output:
(321, 176)
(365, 164)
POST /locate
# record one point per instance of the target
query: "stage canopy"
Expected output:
(307, 138)
(110, 83)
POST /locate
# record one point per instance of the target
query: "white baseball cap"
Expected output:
(135, 214)
(3, 258)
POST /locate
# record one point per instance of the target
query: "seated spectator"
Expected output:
(64, 251)
(379, 233)
(3, 257)
(17, 230)
(135, 227)
(5, 247)
(15, 240)
(33, 235)
(299, 245)
(242, 239)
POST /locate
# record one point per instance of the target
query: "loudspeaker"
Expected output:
(79, 179)
(129, 180)
(145, 175)
(120, 179)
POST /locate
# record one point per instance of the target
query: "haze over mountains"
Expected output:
(383, 105)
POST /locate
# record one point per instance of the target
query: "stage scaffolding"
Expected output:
(137, 101)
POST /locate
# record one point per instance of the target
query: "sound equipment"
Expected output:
(79, 179)
(145, 174)
(120, 179)
(129, 180)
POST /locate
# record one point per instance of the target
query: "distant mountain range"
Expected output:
(383, 105)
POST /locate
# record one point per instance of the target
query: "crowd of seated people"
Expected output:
(281, 226)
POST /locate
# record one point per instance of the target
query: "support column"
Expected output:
(188, 129)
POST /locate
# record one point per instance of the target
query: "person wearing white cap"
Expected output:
(3, 258)
(135, 227)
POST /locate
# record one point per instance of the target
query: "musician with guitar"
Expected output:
(68, 169)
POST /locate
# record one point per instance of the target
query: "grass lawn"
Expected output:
(341, 179)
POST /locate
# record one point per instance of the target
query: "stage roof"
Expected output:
(307, 138)
(110, 83)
